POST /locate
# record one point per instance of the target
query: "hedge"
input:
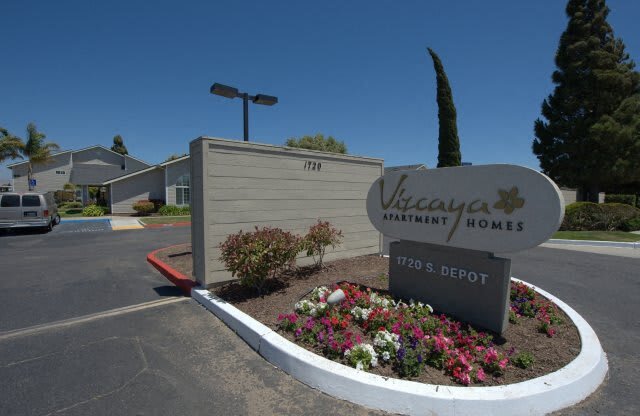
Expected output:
(589, 216)
(621, 199)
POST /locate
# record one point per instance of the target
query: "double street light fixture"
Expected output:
(230, 92)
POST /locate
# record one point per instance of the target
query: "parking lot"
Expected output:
(87, 326)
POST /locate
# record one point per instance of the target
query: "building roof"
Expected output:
(82, 150)
(149, 169)
(406, 167)
(128, 175)
(180, 159)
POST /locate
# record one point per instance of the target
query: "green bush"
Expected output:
(320, 236)
(143, 207)
(589, 216)
(169, 210)
(631, 225)
(255, 256)
(173, 210)
(93, 211)
(620, 199)
(74, 205)
(524, 360)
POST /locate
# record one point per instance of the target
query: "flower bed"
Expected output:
(372, 331)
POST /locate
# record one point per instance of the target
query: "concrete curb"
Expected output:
(565, 387)
(594, 243)
(174, 276)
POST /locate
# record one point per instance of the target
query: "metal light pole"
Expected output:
(231, 92)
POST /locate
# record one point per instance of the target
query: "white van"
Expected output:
(29, 209)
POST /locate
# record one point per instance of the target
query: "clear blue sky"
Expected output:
(358, 70)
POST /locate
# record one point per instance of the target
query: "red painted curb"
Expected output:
(176, 224)
(174, 276)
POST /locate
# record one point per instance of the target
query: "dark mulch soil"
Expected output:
(282, 293)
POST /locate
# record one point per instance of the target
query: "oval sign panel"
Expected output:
(495, 208)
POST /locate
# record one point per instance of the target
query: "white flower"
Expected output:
(319, 292)
(361, 314)
(386, 356)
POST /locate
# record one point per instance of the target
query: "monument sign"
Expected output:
(450, 221)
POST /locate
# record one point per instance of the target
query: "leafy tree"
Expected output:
(174, 157)
(318, 142)
(35, 149)
(448, 142)
(118, 145)
(590, 136)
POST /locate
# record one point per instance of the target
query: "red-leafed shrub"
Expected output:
(255, 256)
(320, 236)
(143, 207)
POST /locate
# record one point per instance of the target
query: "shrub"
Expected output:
(320, 236)
(255, 256)
(523, 360)
(143, 207)
(620, 199)
(588, 216)
(631, 225)
(173, 210)
(157, 204)
(93, 211)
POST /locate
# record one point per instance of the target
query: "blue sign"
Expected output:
(32, 182)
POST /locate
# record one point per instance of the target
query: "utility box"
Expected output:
(238, 185)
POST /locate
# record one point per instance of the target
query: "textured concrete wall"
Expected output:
(239, 185)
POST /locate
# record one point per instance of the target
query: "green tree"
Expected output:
(9, 145)
(318, 142)
(174, 157)
(118, 145)
(448, 141)
(35, 149)
(589, 138)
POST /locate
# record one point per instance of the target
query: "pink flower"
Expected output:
(503, 363)
(480, 375)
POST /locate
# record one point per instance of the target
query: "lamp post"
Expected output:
(231, 92)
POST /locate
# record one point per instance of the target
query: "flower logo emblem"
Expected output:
(509, 201)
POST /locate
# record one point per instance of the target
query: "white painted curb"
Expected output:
(565, 387)
(618, 244)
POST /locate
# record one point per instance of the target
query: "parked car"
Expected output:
(29, 209)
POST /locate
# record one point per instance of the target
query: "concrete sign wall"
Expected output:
(471, 285)
(238, 185)
(493, 208)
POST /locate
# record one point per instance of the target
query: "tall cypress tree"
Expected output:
(448, 142)
(587, 140)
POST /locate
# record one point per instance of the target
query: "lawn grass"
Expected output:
(165, 220)
(597, 236)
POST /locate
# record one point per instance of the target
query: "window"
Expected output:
(30, 200)
(10, 201)
(183, 193)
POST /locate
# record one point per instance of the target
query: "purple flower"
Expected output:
(401, 353)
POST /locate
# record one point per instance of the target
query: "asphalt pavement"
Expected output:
(87, 327)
